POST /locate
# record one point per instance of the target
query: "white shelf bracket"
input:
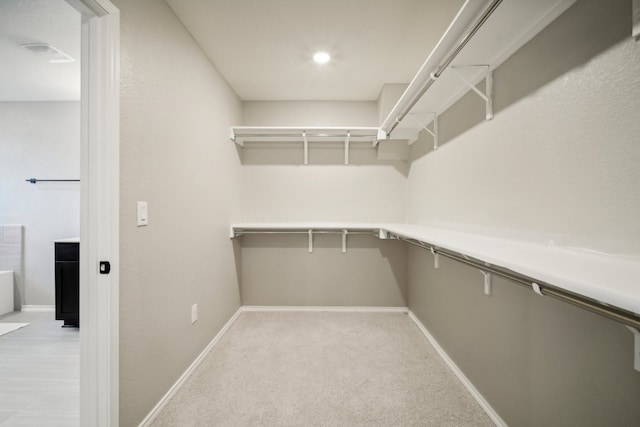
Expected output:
(488, 95)
(434, 132)
(310, 241)
(487, 282)
(344, 241)
(436, 259)
(382, 135)
(232, 135)
(306, 149)
(636, 347)
(536, 289)
(346, 148)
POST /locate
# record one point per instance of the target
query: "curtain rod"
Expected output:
(34, 180)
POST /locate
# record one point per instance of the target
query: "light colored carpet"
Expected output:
(5, 328)
(323, 369)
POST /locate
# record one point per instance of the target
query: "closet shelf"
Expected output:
(238, 230)
(604, 283)
(482, 36)
(242, 134)
(310, 229)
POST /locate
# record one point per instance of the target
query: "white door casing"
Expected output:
(99, 212)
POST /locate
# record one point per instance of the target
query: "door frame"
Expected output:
(99, 212)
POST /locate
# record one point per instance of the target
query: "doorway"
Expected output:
(40, 122)
(99, 152)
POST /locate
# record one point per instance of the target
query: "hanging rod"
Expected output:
(623, 316)
(438, 72)
(240, 134)
(308, 134)
(34, 180)
(240, 232)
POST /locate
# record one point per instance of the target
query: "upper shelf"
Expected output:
(242, 134)
(483, 34)
(509, 26)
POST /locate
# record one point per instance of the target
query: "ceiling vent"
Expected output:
(48, 52)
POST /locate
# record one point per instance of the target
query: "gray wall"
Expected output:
(279, 270)
(560, 159)
(175, 153)
(39, 140)
(537, 361)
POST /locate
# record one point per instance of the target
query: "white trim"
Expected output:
(461, 376)
(336, 309)
(99, 214)
(187, 374)
(40, 308)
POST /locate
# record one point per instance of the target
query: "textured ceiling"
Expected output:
(264, 48)
(25, 76)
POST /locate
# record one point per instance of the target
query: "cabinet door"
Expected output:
(67, 290)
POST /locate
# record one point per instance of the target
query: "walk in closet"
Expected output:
(492, 197)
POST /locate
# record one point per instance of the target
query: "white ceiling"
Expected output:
(264, 48)
(25, 76)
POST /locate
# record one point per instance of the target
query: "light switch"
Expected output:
(143, 214)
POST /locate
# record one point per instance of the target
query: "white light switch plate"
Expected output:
(194, 313)
(143, 214)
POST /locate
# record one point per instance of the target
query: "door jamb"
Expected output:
(99, 212)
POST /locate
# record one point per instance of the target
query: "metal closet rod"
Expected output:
(623, 316)
(452, 55)
(34, 180)
(303, 231)
(300, 135)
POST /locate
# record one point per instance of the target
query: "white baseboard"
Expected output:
(185, 376)
(38, 308)
(463, 379)
(337, 309)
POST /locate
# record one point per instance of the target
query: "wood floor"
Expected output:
(39, 372)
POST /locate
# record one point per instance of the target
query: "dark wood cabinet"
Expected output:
(67, 267)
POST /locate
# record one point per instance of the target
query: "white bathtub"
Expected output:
(6, 292)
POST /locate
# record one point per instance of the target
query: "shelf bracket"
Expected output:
(434, 132)
(488, 95)
(306, 149)
(344, 241)
(536, 288)
(310, 241)
(346, 148)
(636, 347)
(436, 259)
(487, 282)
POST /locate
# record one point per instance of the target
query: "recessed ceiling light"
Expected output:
(50, 53)
(321, 57)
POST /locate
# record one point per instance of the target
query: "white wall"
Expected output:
(561, 156)
(278, 187)
(40, 140)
